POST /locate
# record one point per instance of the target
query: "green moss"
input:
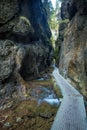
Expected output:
(23, 26)
(56, 89)
(46, 108)
(25, 19)
(63, 21)
(43, 83)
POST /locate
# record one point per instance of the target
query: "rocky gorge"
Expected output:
(26, 60)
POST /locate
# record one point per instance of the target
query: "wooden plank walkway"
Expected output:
(71, 114)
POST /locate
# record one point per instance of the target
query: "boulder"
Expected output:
(37, 59)
(23, 27)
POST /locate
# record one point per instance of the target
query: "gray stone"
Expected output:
(6, 59)
(7, 124)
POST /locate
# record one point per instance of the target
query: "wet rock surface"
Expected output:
(28, 30)
(25, 54)
(25, 48)
(36, 60)
(28, 111)
(23, 21)
(6, 59)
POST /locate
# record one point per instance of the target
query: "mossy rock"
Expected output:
(23, 27)
(56, 89)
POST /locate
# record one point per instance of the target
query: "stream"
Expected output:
(43, 94)
(44, 91)
(39, 107)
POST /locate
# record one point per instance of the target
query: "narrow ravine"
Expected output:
(34, 35)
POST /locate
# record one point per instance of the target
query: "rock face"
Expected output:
(8, 9)
(6, 59)
(60, 39)
(25, 49)
(24, 21)
(36, 60)
(70, 7)
(64, 11)
(73, 54)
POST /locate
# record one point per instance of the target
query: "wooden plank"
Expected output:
(71, 114)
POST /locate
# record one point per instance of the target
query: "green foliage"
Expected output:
(56, 89)
(51, 16)
(53, 22)
(63, 21)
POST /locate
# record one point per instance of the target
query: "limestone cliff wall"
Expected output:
(25, 48)
(23, 21)
(73, 52)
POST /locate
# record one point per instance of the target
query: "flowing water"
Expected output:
(43, 94)
(34, 104)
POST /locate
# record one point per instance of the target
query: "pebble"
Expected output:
(45, 115)
(18, 119)
(7, 124)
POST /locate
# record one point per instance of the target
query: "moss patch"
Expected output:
(56, 88)
(27, 115)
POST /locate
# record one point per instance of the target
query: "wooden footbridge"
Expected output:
(71, 114)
